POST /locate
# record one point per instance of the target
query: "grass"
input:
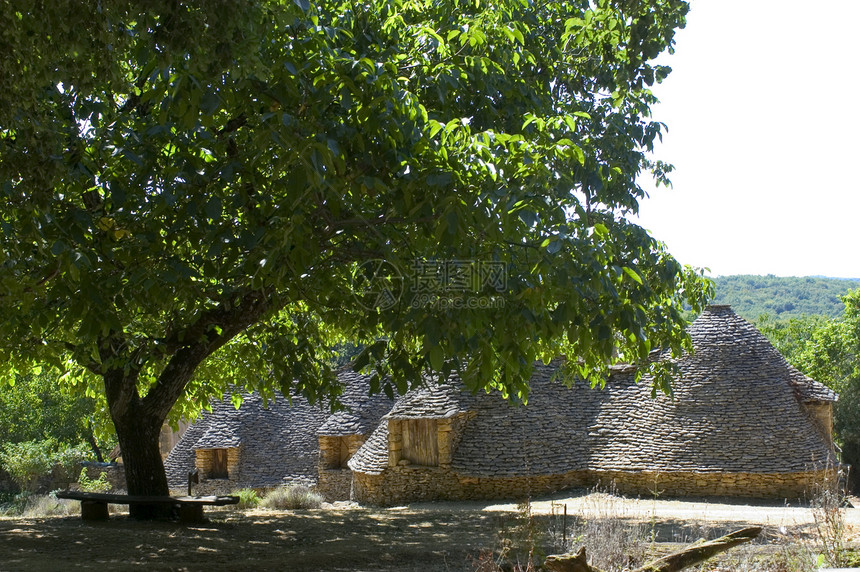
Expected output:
(248, 498)
(291, 498)
(35, 506)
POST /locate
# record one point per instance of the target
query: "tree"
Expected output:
(37, 408)
(827, 351)
(203, 195)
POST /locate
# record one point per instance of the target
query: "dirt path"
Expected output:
(426, 537)
(720, 511)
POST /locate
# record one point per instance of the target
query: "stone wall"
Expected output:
(114, 473)
(404, 484)
(335, 451)
(335, 478)
(821, 414)
(750, 485)
(334, 484)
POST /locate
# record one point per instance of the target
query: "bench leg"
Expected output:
(191, 513)
(94, 510)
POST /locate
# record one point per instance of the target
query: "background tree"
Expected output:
(827, 351)
(37, 407)
(208, 193)
(783, 297)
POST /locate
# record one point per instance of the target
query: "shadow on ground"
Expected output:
(354, 539)
(427, 537)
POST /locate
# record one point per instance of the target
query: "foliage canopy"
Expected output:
(189, 194)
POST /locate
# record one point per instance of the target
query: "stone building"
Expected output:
(742, 422)
(282, 443)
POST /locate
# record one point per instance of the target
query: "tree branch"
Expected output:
(685, 558)
(214, 329)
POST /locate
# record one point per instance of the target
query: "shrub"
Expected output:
(65, 461)
(291, 497)
(12, 504)
(248, 498)
(99, 485)
(28, 461)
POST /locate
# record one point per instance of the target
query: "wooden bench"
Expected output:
(189, 509)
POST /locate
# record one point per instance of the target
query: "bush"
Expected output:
(66, 460)
(291, 497)
(12, 504)
(29, 461)
(99, 485)
(248, 498)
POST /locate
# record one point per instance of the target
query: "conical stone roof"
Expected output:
(279, 441)
(737, 408)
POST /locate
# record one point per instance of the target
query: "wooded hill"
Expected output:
(783, 297)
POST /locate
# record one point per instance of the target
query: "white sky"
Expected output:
(763, 109)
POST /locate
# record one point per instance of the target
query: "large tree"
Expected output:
(200, 194)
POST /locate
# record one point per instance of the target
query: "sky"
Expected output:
(763, 111)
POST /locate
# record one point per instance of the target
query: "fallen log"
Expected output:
(685, 558)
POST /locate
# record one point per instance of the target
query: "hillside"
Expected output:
(782, 297)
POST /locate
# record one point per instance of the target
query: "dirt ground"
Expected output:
(425, 537)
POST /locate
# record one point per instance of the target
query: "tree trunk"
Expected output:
(141, 458)
(138, 420)
(91, 439)
(137, 429)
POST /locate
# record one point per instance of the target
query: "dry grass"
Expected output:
(291, 498)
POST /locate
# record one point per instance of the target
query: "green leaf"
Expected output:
(632, 274)
(58, 248)
(209, 103)
(436, 357)
(213, 208)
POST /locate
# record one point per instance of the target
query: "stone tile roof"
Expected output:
(432, 401)
(363, 411)
(810, 390)
(372, 457)
(737, 408)
(279, 443)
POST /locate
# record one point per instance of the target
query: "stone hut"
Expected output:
(344, 432)
(742, 422)
(281, 443)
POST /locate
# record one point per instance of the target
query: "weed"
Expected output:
(48, 505)
(611, 540)
(827, 505)
(520, 545)
(248, 498)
